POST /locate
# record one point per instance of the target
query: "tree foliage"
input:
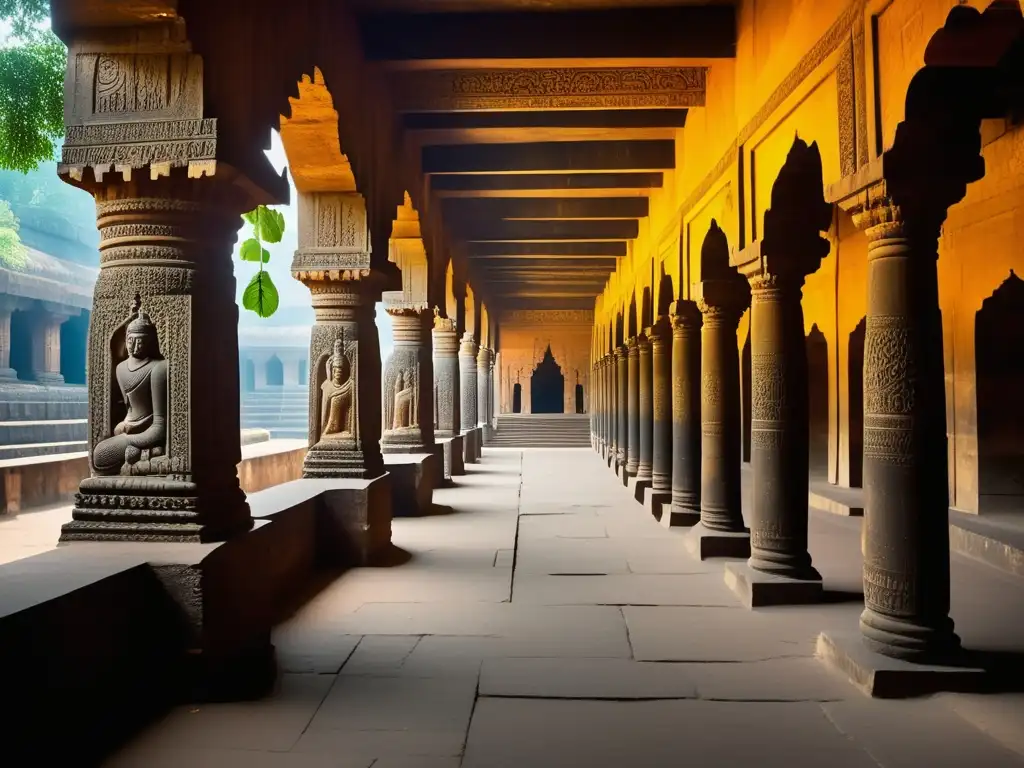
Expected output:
(32, 64)
(260, 295)
(12, 252)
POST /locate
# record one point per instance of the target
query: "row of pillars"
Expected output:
(45, 321)
(668, 410)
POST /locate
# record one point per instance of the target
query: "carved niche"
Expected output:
(336, 390)
(401, 392)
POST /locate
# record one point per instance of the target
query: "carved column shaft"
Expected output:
(46, 347)
(6, 372)
(906, 544)
(168, 243)
(468, 381)
(408, 387)
(779, 429)
(661, 362)
(621, 405)
(645, 467)
(686, 409)
(483, 364)
(633, 407)
(446, 379)
(721, 496)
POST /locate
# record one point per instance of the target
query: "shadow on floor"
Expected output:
(837, 596)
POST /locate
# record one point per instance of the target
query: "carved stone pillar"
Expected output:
(483, 363)
(491, 388)
(622, 409)
(661, 407)
(611, 375)
(791, 249)
(645, 466)
(906, 539)
(721, 531)
(46, 345)
(8, 304)
(407, 394)
(344, 350)
(633, 406)
(163, 366)
(686, 418)
(468, 383)
(446, 379)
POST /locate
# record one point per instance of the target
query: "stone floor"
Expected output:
(542, 618)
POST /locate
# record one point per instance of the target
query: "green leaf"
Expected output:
(271, 225)
(260, 295)
(250, 216)
(253, 251)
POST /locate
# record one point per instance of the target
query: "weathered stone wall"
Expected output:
(806, 68)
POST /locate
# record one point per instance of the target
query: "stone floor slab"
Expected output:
(797, 679)
(615, 679)
(629, 589)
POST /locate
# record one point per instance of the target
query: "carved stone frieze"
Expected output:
(333, 235)
(552, 88)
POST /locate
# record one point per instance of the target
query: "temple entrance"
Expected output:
(547, 385)
(855, 407)
(248, 375)
(579, 398)
(517, 398)
(817, 402)
(999, 368)
(746, 404)
(73, 334)
(275, 372)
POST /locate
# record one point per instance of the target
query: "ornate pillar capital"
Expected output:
(722, 302)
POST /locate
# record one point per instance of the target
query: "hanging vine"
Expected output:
(260, 295)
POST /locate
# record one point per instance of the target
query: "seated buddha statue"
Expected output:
(142, 379)
(336, 395)
(403, 415)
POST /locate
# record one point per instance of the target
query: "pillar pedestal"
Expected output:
(447, 403)
(721, 531)
(686, 430)
(164, 336)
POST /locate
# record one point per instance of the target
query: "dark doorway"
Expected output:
(547, 385)
(855, 426)
(746, 402)
(579, 398)
(275, 372)
(999, 367)
(517, 398)
(248, 375)
(21, 343)
(73, 335)
(817, 402)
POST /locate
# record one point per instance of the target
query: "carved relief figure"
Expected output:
(336, 399)
(142, 379)
(403, 410)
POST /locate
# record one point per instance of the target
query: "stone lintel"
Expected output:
(704, 543)
(571, 157)
(883, 677)
(756, 589)
(853, 191)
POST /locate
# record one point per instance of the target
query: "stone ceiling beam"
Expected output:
(571, 156)
(533, 183)
(707, 31)
(548, 207)
(564, 229)
(565, 302)
(543, 88)
(496, 263)
(546, 250)
(573, 118)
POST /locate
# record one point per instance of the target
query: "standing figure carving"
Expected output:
(141, 436)
(336, 399)
(405, 395)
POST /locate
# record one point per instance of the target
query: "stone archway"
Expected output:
(817, 402)
(855, 405)
(999, 371)
(547, 386)
(275, 372)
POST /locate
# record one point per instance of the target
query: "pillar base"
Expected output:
(883, 677)
(656, 502)
(326, 461)
(704, 543)
(639, 486)
(47, 379)
(153, 509)
(621, 473)
(757, 589)
(413, 477)
(675, 516)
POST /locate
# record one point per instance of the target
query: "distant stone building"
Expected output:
(273, 366)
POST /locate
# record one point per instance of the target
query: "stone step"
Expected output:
(50, 431)
(42, 449)
(289, 433)
(43, 410)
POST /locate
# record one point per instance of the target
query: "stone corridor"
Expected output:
(540, 617)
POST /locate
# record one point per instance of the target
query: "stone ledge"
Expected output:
(756, 589)
(882, 677)
(847, 502)
(704, 543)
(997, 543)
(413, 478)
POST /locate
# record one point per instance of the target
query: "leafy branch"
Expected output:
(260, 295)
(12, 252)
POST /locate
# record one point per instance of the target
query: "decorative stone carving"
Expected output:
(552, 88)
(408, 385)
(633, 406)
(645, 465)
(168, 243)
(621, 405)
(332, 233)
(468, 381)
(660, 335)
(138, 445)
(686, 413)
(483, 375)
(446, 378)
(337, 393)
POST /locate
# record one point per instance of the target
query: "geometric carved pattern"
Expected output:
(889, 592)
(768, 390)
(890, 368)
